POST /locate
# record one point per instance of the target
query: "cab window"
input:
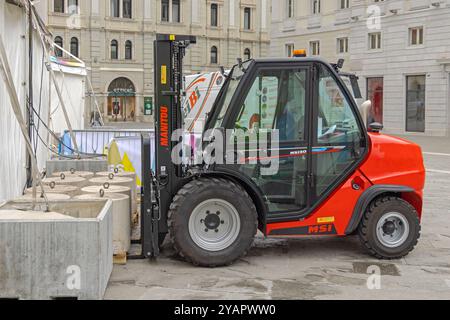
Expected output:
(337, 122)
(276, 100)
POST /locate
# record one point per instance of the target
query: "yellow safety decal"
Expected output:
(163, 74)
(172, 37)
(325, 220)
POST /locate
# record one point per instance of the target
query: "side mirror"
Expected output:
(364, 109)
(376, 127)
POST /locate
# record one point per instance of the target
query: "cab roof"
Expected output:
(291, 60)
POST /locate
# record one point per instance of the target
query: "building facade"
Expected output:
(115, 39)
(400, 49)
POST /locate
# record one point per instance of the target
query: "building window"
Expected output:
(74, 47)
(214, 15)
(247, 54)
(59, 41)
(315, 5)
(290, 50)
(128, 50)
(214, 55)
(415, 103)
(290, 8)
(176, 11)
(375, 40)
(342, 45)
(314, 47)
(115, 8)
(247, 19)
(344, 4)
(165, 10)
(127, 9)
(416, 36)
(114, 50)
(58, 6)
(375, 93)
(73, 6)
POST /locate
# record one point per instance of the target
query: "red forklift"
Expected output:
(336, 176)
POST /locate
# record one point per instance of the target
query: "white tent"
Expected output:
(71, 80)
(13, 156)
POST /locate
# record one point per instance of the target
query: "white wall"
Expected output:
(397, 59)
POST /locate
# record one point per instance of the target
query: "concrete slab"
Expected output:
(66, 253)
(91, 165)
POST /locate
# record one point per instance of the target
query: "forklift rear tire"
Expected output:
(390, 228)
(212, 222)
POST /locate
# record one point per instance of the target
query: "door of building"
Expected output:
(122, 100)
(375, 93)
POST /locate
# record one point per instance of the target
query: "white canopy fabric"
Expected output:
(12, 145)
(13, 27)
(72, 84)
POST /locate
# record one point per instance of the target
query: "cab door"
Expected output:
(338, 136)
(278, 98)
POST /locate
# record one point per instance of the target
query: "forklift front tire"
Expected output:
(161, 238)
(212, 222)
(390, 228)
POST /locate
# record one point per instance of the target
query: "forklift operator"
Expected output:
(286, 123)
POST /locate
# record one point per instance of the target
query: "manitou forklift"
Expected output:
(335, 177)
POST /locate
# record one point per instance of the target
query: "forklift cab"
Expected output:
(322, 138)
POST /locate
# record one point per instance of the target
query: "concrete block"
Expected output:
(91, 165)
(65, 253)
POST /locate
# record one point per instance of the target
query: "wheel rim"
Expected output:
(214, 225)
(393, 230)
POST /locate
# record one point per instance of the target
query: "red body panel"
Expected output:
(390, 161)
(394, 161)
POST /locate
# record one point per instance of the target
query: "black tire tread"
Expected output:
(191, 188)
(363, 227)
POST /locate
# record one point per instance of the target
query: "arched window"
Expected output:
(74, 47)
(214, 15)
(247, 54)
(114, 50)
(59, 42)
(128, 50)
(214, 55)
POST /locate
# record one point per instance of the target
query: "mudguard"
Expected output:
(367, 197)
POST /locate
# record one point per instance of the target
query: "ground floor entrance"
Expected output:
(121, 100)
(375, 93)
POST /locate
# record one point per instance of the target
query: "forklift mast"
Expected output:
(160, 186)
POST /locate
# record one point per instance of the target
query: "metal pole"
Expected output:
(29, 114)
(95, 99)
